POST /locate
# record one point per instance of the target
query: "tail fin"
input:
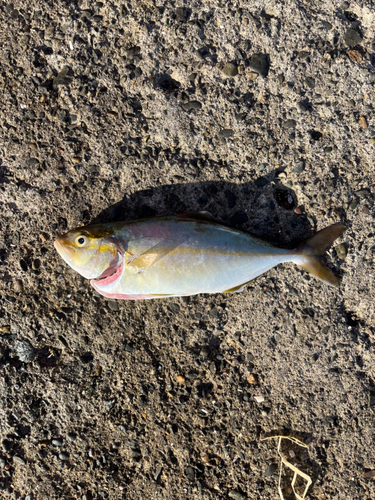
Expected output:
(311, 249)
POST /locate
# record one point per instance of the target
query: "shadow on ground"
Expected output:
(262, 207)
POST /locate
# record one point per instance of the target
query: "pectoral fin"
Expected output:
(144, 261)
(152, 255)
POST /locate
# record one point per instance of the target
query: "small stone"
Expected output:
(260, 64)
(113, 305)
(29, 497)
(230, 69)
(183, 14)
(62, 78)
(129, 348)
(298, 210)
(18, 286)
(71, 437)
(180, 379)
(131, 52)
(299, 167)
(251, 75)
(369, 474)
(63, 456)
(24, 351)
(259, 399)
(314, 357)
(252, 379)
(76, 159)
(354, 56)
(362, 122)
(341, 251)
(190, 473)
(236, 495)
(57, 442)
(363, 193)
(303, 54)
(2, 463)
(32, 162)
(290, 123)
(328, 26)
(6, 445)
(352, 37)
(271, 469)
(310, 82)
(353, 204)
(226, 133)
(191, 105)
(157, 473)
(19, 460)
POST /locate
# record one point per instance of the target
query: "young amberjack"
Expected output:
(181, 255)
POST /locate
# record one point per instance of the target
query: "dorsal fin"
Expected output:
(203, 215)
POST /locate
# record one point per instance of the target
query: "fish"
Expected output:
(182, 255)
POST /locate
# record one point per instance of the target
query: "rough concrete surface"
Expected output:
(261, 113)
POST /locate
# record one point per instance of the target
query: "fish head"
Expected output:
(92, 251)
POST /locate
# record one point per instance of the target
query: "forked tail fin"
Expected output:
(310, 250)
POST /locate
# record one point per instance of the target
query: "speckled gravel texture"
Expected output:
(261, 113)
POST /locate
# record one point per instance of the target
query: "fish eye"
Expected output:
(81, 241)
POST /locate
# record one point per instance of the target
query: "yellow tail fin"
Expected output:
(311, 249)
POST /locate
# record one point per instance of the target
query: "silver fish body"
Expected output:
(176, 256)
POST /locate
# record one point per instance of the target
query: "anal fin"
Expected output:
(237, 289)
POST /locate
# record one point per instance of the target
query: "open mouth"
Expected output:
(113, 272)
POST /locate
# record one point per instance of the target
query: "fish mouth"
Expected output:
(112, 273)
(64, 252)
